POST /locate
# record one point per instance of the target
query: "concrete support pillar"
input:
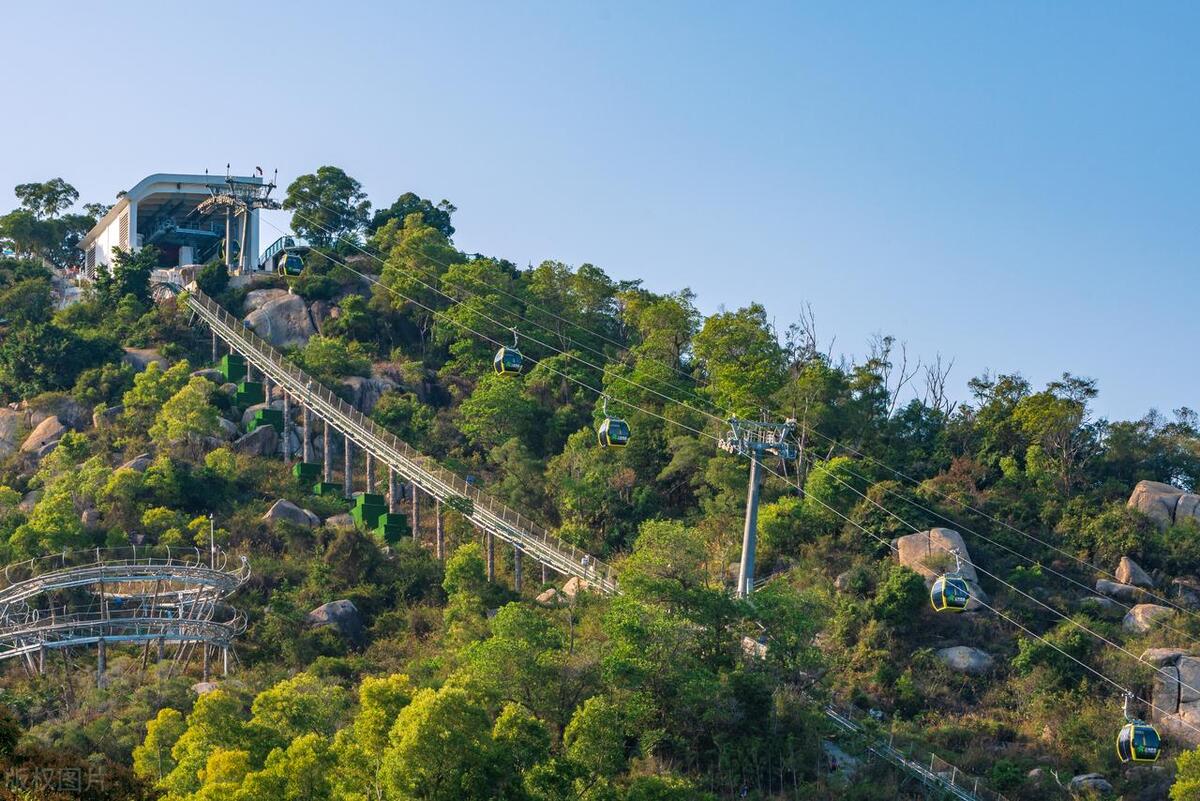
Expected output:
(287, 429)
(42, 659)
(214, 347)
(225, 661)
(267, 391)
(491, 555)
(327, 444)
(370, 469)
(306, 448)
(204, 661)
(440, 540)
(393, 491)
(101, 662)
(162, 648)
(543, 572)
(517, 568)
(416, 513)
(348, 469)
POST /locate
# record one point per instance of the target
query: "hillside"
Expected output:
(437, 683)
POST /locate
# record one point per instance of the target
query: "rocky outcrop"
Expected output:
(930, 553)
(229, 429)
(574, 586)
(210, 374)
(70, 412)
(1143, 617)
(48, 431)
(1163, 503)
(1115, 589)
(1186, 592)
(1175, 693)
(106, 417)
(1130, 572)
(344, 520)
(964, 659)
(551, 597)
(29, 500)
(341, 615)
(90, 519)
(257, 298)
(140, 462)
(262, 441)
(283, 321)
(365, 392)
(288, 512)
(1089, 783)
(140, 358)
(11, 424)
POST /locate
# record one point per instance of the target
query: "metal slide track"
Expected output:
(485, 512)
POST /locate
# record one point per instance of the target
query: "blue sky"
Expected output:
(1012, 185)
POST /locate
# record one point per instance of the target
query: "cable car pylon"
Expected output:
(755, 439)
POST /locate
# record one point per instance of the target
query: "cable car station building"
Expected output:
(191, 219)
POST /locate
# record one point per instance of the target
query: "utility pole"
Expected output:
(755, 439)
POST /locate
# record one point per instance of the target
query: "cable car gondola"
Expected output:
(509, 361)
(1137, 741)
(614, 432)
(950, 592)
(289, 264)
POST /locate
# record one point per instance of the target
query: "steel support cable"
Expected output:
(854, 489)
(914, 528)
(458, 302)
(804, 426)
(413, 465)
(686, 405)
(524, 301)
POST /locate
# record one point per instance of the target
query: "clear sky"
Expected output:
(1011, 184)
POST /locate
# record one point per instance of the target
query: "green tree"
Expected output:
(1187, 777)
(129, 274)
(496, 411)
(899, 597)
(743, 359)
(441, 749)
(48, 198)
(151, 389)
(152, 759)
(435, 216)
(188, 416)
(326, 206)
(328, 358)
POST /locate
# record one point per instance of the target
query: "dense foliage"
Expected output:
(458, 688)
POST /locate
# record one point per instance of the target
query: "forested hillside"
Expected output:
(447, 686)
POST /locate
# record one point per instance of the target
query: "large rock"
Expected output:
(1130, 572)
(574, 586)
(229, 429)
(965, 659)
(11, 423)
(289, 512)
(1162, 656)
(1163, 503)
(365, 392)
(210, 374)
(257, 298)
(262, 441)
(1176, 693)
(930, 553)
(551, 597)
(341, 615)
(1115, 589)
(69, 411)
(1143, 617)
(344, 520)
(1089, 783)
(204, 687)
(1186, 592)
(105, 417)
(140, 358)
(140, 462)
(283, 321)
(48, 431)
(29, 500)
